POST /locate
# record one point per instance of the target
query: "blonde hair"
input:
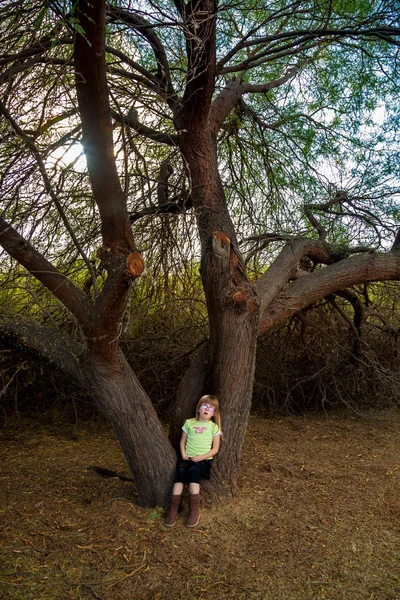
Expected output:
(213, 401)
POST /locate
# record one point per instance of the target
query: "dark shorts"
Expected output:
(188, 471)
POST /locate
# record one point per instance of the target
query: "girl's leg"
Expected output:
(172, 514)
(194, 516)
(198, 471)
(194, 488)
(177, 489)
(176, 495)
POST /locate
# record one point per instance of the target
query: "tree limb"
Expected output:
(97, 138)
(263, 88)
(22, 251)
(49, 188)
(299, 37)
(396, 243)
(147, 32)
(307, 290)
(44, 343)
(231, 94)
(132, 120)
(178, 204)
(200, 33)
(277, 275)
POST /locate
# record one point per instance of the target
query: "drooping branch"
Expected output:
(307, 290)
(37, 342)
(146, 30)
(40, 47)
(49, 188)
(358, 307)
(23, 252)
(339, 197)
(299, 40)
(132, 120)
(26, 66)
(148, 78)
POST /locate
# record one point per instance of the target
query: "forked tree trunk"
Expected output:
(233, 310)
(147, 450)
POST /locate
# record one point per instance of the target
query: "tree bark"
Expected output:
(232, 301)
(190, 390)
(354, 270)
(148, 453)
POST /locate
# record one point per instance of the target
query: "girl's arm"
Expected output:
(211, 453)
(182, 446)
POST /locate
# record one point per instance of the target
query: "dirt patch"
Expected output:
(317, 515)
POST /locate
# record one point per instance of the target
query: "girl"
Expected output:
(199, 444)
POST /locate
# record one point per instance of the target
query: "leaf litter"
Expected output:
(316, 516)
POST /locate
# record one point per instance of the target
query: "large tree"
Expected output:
(228, 113)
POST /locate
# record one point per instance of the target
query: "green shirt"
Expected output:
(200, 436)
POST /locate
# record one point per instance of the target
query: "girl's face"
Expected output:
(206, 411)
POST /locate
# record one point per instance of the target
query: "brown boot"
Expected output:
(194, 516)
(173, 510)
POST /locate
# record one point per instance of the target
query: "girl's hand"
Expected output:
(197, 459)
(185, 456)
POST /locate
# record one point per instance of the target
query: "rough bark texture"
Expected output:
(119, 395)
(148, 453)
(226, 366)
(191, 388)
(232, 301)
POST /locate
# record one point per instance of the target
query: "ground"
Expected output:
(316, 516)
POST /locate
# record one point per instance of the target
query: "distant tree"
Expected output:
(234, 114)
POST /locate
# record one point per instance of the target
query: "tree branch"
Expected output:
(257, 89)
(23, 252)
(49, 188)
(97, 138)
(307, 290)
(45, 343)
(298, 39)
(147, 32)
(200, 33)
(39, 48)
(282, 269)
(132, 120)
(231, 94)
(178, 204)
(396, 243)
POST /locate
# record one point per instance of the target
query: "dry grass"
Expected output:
(316, 517)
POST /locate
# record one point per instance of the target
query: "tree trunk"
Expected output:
(190, 390)
(148, 453)
(233, 314)
(232, 302)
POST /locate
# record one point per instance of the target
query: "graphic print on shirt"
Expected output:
(199, 429)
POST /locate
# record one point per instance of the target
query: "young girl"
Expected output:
(199, 444)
